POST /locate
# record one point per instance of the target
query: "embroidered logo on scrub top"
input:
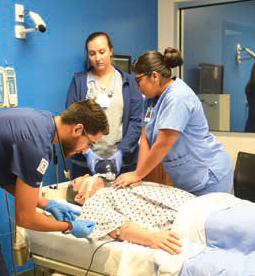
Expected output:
(43, 166)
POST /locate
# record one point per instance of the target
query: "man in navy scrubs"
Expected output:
(26, 138)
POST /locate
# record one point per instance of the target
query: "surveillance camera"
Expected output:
(39, 23)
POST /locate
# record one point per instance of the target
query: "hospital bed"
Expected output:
(66, 255)
(233, 243)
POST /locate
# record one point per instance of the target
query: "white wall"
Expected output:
(235, 142)
(166, 23)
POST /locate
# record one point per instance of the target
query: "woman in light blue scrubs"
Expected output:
(175, 131)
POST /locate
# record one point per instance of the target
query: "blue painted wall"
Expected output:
(45, 62)
(211, 35)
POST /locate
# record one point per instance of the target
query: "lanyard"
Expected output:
(66, 171)
(99, 87)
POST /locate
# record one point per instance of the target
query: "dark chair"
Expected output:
(244, 176)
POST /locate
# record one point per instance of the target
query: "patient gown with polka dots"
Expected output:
(151, 207)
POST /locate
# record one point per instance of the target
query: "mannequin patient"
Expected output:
(143, 215)
(167, 218)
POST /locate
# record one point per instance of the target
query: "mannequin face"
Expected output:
(99, 53)
(81, 184)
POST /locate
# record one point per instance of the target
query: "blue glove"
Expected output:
(117, 157)
(61, 211)
(92, 159)
(82, 228)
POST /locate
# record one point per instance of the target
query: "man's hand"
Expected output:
(82, 228)
(61, 211)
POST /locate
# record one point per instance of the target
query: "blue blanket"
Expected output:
(230, 239)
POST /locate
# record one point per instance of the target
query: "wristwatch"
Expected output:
(69, 228)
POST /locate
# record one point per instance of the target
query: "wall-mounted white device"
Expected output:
(2, 91)
(8, 88)
(20, 30)
(11, 86)
(19, 13)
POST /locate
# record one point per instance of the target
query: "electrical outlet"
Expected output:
(19, 13)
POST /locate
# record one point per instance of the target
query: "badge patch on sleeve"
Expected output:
(43, 166)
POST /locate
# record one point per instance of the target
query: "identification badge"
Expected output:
(103, 100)
(148, 114)
(43, 166)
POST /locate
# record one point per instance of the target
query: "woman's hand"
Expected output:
(131, 179)
(166, 240)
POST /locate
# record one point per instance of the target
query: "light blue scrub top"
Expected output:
(196, 154)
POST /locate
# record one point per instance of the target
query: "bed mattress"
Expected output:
(70, 250)
(113, 258)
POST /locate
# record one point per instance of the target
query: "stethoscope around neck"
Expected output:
(66, 171)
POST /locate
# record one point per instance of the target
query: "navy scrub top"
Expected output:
(26, 137)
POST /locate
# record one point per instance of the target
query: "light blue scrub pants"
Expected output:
(213, 185)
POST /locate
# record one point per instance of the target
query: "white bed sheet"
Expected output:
(116, 258)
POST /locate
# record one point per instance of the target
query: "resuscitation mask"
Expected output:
(106, 169)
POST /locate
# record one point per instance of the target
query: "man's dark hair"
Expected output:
(88, 113)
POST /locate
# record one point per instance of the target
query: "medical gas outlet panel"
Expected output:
(8, 88)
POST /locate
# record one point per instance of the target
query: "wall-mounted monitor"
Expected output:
(121, 61)
(210, 78)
